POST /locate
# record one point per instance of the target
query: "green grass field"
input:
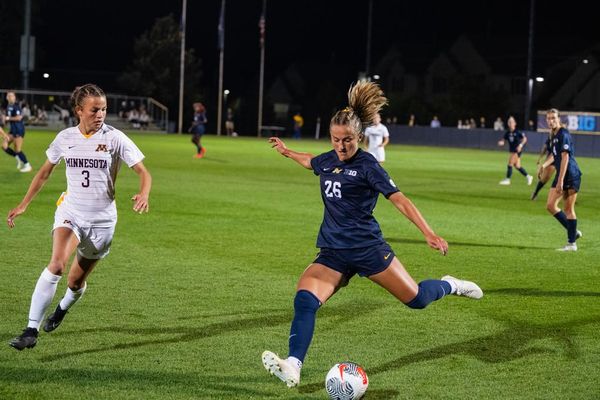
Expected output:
(193, 292)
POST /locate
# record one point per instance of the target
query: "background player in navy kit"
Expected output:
(566, 181)
(544, 174)
(86, 214)
(350, 239)
(516, 141)
(198, 128)
(16, 132)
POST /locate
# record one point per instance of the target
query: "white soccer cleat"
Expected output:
(529, 180)
(19, 162)
(504, 182)
(282, 369)
(26, 168)
(464, 288)
(568, 247)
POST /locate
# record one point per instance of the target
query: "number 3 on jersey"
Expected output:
(333, 189)
(86, 178)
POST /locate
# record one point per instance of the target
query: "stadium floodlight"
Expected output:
(376, 77)
(539, 79)
(585, 61)
(46, 75)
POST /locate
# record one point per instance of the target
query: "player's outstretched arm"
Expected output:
(301, 158)
(406, 207)
(141, 199)
(36, 185)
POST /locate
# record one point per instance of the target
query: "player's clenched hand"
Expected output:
(278, 145)
(437, 242)
(140, 203)
(12, 214)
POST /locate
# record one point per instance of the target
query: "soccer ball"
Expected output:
(346, 381)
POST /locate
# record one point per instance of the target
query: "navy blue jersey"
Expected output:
(514, 140)
(548, 145)
(349, 190)
(562, 143)
(16, 127)
(198, 124)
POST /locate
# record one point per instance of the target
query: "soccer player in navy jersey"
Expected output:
(350, 239)
(544, 174)
(516, 141)
(566, 181)
(16, 132)
(198, 128)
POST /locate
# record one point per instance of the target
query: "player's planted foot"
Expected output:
(464, 288)
(281, 368)
(568, 247)
(26, 168)
(504, 182)
(55, 319)
(27, 339)
(529, 180)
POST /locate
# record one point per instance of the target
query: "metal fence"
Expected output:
(49, 109)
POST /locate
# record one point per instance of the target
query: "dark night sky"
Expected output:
(93, 41)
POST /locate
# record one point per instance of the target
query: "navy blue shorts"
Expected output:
(17, 134)
(569, 183)
(364, 261)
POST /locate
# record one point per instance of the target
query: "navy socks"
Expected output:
(429, 290)
(562, 218)
(306, 305)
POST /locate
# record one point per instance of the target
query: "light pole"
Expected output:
(529, 63)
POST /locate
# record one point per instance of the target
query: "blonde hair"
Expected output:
(365, 100)
(555, 111)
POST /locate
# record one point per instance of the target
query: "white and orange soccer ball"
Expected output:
(346, 381)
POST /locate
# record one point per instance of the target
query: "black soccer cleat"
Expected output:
(54, 319)
(27, 339)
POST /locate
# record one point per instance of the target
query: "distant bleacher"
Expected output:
(48, 108)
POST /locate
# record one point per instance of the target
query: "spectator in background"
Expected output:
(460, 124)
(482, 122)
(411, 120)
(376, 138)
(229, 124)
(472, 123)
(435, 122)
(134, 118)
(298, 124)
(123, 110)
(531, 126)
(498, 124)
(394, 120)
(144, 118)
(26, 113)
